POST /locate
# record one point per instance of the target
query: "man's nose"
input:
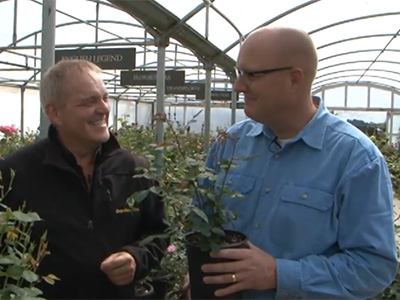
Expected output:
(239, 85)
(103, 107)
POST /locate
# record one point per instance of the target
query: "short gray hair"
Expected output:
(52, 83)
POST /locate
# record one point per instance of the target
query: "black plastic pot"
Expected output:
(160, 285)
(197, 257)
(144, 290)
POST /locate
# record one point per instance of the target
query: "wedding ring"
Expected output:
(233, 278)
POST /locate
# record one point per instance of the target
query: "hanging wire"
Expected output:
(380, 53)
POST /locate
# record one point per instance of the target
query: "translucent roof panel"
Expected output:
(355, 38)
(358, 36)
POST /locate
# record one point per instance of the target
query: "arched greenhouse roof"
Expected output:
(356, 39)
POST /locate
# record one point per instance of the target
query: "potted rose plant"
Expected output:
(167, 277)
(193, 196)
(144, 290)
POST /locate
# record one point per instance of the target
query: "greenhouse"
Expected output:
(170, 68)
(357, 73)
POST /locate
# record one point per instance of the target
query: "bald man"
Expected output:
(317, 206)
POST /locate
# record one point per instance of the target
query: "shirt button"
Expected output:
(304, 196)
(267, 190)
(276, 156)
(257, 226)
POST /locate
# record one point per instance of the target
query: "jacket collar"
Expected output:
(313, 134)
(59, 156)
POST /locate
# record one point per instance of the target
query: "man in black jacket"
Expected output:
(81, 183)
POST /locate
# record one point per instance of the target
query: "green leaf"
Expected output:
(215, 246)
(20, 293)
(150, 238)
(32, 292)
(7, 260)
(156, 190)
(5, 294)
(200, 213)
(139, 196)
(218, 231)
(50, 278)
(205, 231)
(15, 271)
(30, 276)
(26, 217)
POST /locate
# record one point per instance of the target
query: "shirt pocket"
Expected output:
(303, 221)
(240, 183)
(304, 196)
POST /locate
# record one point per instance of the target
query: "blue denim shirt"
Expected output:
(321, 205)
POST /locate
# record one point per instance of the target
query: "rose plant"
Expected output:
(20, 256)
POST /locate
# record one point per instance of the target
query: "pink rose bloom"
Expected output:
(172, 248)
(8, 130)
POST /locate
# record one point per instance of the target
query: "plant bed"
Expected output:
(197, 257)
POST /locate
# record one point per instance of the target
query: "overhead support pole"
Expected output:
(48, 47)
(136, 111)
(22, 126)
(187, 125)
(387, 122)
(207, 112)
(96, 38)
(391, 129)
(161, 44)
(233, 101)
(14, 36)
(115, 117)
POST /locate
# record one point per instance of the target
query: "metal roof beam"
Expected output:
(160, 20)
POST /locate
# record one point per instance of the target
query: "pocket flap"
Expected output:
(306, 196)
(240, 183)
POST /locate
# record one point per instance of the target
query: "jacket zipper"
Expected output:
(90, 225)
(89, 187)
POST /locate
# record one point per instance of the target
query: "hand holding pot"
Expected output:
(186, 288)
(251, 269)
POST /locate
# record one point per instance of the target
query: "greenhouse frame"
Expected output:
(198, 41)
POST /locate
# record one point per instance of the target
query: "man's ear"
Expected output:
(53, 113)
(297, 77)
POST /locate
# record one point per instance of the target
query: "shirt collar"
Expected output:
(256, 130)
(259, 129)
(313, 133)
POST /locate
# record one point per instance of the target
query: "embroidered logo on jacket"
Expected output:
(126, 210)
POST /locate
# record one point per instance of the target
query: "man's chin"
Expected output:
(252, 116)
(248, 112)
(105, 138)
(101, 137)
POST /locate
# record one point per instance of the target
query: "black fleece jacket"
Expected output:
(85, 225)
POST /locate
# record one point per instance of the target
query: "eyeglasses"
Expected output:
(250, 75)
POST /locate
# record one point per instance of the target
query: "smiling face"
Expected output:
(277, 66)
(265, 93)
(81, 116)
